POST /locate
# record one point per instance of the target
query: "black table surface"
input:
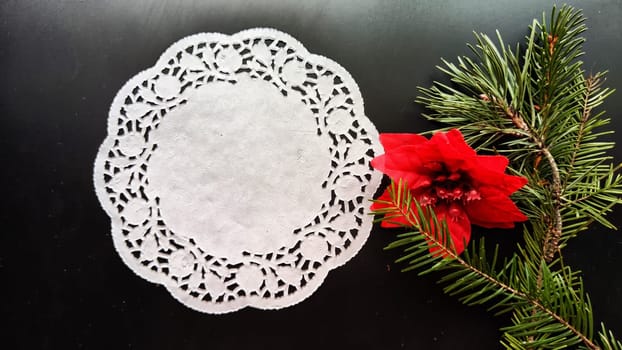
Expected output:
(63, 284)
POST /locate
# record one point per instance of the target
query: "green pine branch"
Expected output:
(553, 315)
(538, 107)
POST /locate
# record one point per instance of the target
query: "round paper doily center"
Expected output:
(239, 167)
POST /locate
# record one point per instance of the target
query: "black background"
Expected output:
(63, 286)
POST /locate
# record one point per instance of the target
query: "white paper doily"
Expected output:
(236, 170)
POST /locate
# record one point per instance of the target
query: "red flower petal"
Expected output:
(495, 209)
(513, 183)
(456, 140)
(490, 171)
(454, 152)
(392, 141)
(400, 164)
(495, 164)
(458, 225)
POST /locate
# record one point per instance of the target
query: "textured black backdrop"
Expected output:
(63, 286)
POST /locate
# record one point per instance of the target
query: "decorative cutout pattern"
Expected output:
(133, 170)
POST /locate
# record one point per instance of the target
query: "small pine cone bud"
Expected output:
(484, 97)
(517, 120)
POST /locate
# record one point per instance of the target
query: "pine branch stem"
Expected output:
(550, 243)
(449, 253)
(553, 235)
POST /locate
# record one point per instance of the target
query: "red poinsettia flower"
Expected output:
(445, 174)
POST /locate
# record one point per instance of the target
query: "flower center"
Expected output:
(448, 187)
